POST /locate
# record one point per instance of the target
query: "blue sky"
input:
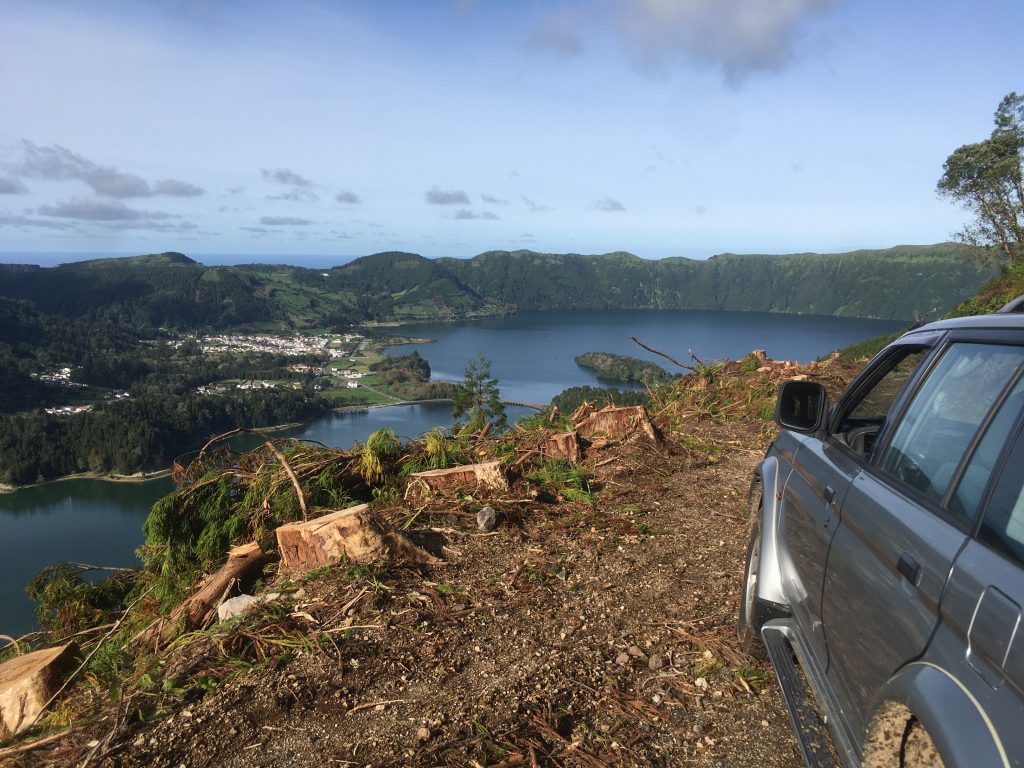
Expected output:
(451, 127)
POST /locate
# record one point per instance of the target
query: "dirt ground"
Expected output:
(573, 635)
(580, 636)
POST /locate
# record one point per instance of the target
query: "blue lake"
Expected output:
(532, 355)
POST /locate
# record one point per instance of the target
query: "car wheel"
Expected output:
(751, 618)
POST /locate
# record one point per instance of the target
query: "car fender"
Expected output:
(769, 576)
(962, 731)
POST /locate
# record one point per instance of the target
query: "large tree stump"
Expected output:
(565, 445)
(619, 423)
(355, 534)
(489, 474)
(27, 683)
(244, 564)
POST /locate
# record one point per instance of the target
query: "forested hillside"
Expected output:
(900, 283)
(170, 290)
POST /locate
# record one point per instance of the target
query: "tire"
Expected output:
(751, 617)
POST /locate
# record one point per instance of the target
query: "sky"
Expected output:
(453, 127)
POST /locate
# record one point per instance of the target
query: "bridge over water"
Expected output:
(535, 406)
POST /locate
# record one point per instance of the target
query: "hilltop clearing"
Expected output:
(594, 626)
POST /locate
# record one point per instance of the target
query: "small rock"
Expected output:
(656, 662)
(423, 734)
(716, 695)
(765, 724)
(487, 519)
(622, 659)
(656, 698)
(708, 655)
(635, 650)
(701, 683)
(235, 606)
(139, 742)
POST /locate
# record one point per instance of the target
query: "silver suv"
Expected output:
(886, 558)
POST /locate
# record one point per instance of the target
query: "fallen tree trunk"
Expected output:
(244, 564)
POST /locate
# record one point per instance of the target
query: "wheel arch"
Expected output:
(955, 720)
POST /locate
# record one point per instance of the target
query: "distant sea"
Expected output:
(55, 258)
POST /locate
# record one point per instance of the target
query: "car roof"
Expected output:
(1010, 317)
(1008, 321)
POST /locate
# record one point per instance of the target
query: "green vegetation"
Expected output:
(613, 367)
(172, 291)
(565, 480)
(145, 432)
(477, 398)
(886, 284)
(572, 398)
(987, 179)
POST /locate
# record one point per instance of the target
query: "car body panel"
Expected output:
(881, 526)
(812, 498)
(895, 598)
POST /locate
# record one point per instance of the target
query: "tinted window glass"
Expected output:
(864, 417)
(969, 491)
(1003, 526)
(943, 417)
(879, 399)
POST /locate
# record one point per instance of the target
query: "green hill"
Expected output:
(904, 282)
(171, 290)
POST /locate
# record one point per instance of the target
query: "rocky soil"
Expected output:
(573, 635)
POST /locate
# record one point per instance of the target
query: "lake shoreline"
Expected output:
(142, 477)
(108, 477)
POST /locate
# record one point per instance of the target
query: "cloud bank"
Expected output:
(437, 196)
(608, 205)
(736, 38)
(57, 163)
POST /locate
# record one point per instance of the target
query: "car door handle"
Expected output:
(830, 494)
(909, 568)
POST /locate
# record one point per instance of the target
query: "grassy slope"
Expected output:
(995, 294)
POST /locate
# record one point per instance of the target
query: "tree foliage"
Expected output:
(477, 397)
(986, 179)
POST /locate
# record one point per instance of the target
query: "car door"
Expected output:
(902, 527)
(983, 641)
(822, 469)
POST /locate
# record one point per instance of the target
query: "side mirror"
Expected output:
(801, 407)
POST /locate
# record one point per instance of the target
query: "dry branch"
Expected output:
(671, 359)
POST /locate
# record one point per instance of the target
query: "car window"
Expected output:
(967, 498)
(865, 415)
(946, 412)
(1003, 525)
(879, 399)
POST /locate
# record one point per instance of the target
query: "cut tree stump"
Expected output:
(619, 423)
(244, 565)
(355, 534)
(564, 445)
(488, 474)
(27, 683)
